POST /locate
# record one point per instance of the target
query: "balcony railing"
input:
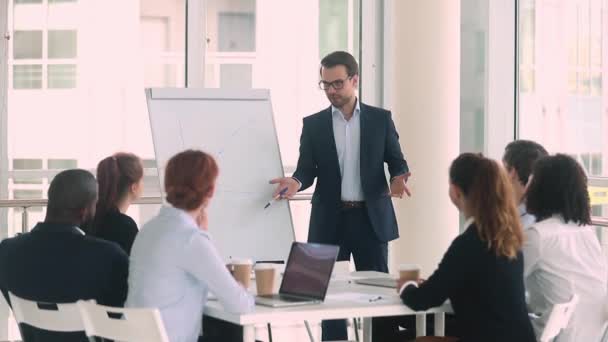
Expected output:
(26, 204)
(37, 203)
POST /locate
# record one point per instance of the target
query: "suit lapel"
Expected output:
(328, 126)
(364, 138)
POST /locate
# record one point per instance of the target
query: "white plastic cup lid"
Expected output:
(265, 266)
(241, 261)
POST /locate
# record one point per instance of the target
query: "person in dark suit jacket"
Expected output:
(482, 271)
(120, 179)
(345, 147)
(57, 263)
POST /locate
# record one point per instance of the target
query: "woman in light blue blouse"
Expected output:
(174, 263)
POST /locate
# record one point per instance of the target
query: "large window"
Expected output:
(77, 69)
(563, 100)
(76, 72)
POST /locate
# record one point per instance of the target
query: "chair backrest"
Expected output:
(558, 319)
(123, 324)
(47, 316)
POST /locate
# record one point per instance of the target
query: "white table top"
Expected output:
(340, 302)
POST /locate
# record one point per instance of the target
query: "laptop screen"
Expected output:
(308, 270)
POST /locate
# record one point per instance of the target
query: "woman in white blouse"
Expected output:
(562, 254)
(174, 263)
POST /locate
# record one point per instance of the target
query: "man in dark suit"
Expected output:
(57, 263)
(345, 148)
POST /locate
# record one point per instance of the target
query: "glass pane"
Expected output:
(27, 194)
(27, 76)
(473, 74)
(596, 83)
(163, 42)
(27, 164)
(62, 76)
(567, 111)
(62, 164)
(333, 26)
(27, 44)
(236, 31)
(236, 76)
(62, 44)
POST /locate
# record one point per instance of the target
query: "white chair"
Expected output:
(57, 317)
(131, 324)
(558, 319)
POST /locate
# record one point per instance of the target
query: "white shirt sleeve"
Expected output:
(202, 260)
(531, 251)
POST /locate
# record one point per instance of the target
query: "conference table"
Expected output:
(345, 299)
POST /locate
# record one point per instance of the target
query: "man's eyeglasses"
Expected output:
(337, 84)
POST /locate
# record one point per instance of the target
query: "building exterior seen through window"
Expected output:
(562, 97)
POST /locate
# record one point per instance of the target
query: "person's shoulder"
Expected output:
(375, 110)
(469, 239)
(12, 243)
(317, 116)
(126, 220)
(103, 247)
(8, 245)
(548, 227)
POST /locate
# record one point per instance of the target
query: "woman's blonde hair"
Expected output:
(491, 201)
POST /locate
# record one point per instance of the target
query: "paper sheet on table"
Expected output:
(357, 297)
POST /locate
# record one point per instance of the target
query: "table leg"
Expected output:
(249, 333)
(420, 325)
(440, 324)
(309, 331)
(367, 329)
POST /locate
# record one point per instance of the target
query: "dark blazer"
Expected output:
(487, 292)
(379, 144)
(116, 227)
(56, 263)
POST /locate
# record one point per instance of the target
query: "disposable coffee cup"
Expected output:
(409, 272)
(241, 270)
(265, 279)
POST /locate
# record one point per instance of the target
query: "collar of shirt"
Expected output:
(183, 217)
(469, 222)
(522, 209)
(53, 227)
(335, 111)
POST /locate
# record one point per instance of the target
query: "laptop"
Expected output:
(306, 276)
(382, 282)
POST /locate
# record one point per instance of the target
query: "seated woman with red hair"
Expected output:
(174, 263)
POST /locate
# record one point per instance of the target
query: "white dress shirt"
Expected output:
(173, 266)
(347, 134)
(561, 259)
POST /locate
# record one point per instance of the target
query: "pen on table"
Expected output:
(281, 193)
(375, 299)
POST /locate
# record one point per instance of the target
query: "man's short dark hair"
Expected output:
(559, 186)
(521, 155)
(341, 58)
(71, 191)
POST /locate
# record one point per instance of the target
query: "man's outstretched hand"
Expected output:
(288, 183)
(399, 187)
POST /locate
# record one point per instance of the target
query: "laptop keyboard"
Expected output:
(285, 298)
